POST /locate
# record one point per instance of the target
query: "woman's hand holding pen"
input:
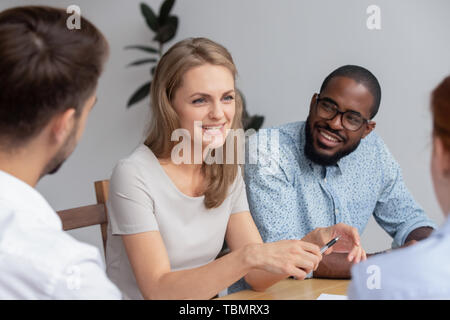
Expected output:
(286, 257)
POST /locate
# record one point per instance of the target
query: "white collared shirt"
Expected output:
(38, 260)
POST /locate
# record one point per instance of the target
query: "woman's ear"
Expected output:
(442, 157)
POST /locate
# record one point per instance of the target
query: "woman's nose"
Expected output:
(216, 111)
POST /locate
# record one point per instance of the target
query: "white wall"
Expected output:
(283, 50)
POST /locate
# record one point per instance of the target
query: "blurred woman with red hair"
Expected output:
(421, 271)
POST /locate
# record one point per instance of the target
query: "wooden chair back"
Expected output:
(90, 215)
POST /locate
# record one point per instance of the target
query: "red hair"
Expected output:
(440, 109)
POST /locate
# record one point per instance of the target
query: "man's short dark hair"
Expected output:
(45, 68)
(360, 75)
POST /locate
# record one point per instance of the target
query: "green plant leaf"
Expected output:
(149, 16)
(164, 11)
(168, 31)
(142, 61)
(139, 94)
(152, 70)
(143, 48)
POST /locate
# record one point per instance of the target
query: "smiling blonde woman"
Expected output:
(168, 221)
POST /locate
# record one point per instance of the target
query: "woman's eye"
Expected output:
(228, 98)
(199, 100)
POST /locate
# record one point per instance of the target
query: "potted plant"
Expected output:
(165, 26)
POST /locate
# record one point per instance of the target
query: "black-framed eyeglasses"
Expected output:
(328, 110)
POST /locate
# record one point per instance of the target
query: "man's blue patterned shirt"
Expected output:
(291, 195)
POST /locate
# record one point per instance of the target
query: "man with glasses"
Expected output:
(331, 169)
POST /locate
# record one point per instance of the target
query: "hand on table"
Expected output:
(349, 241)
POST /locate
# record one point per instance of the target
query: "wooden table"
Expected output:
(290, 289)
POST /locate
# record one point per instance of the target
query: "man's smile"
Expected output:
(327, 138)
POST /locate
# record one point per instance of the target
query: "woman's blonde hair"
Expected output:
(169, 72)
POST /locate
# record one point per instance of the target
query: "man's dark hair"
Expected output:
(45, 69)
(360, 75)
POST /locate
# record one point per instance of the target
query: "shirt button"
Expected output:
(325, 180)
(336, 211)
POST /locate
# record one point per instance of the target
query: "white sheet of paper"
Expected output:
(326, 296)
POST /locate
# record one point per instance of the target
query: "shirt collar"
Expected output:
(24, 199)
(302, 157)
(344, 163)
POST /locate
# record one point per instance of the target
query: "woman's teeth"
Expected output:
(213, 128)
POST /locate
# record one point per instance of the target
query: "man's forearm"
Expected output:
(335, 266)
(419, 234)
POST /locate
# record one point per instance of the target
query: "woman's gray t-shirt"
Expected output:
(143, 198)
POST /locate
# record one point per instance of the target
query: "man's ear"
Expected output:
(442, 157)
(313, 101)
(370, 126)
(62, 125)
